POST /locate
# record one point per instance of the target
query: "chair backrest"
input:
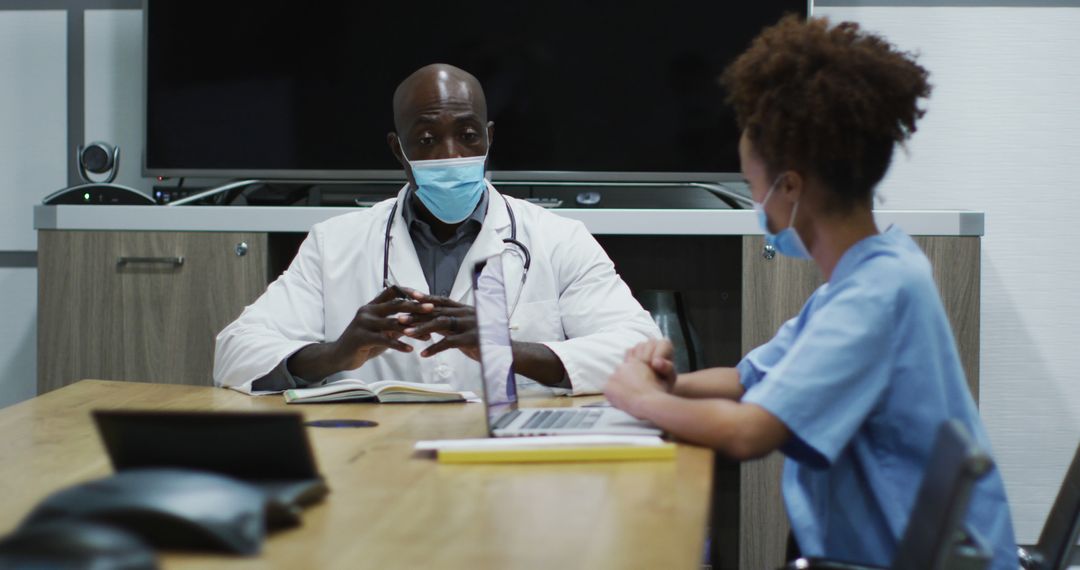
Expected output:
(1058, 538)
(941, 505)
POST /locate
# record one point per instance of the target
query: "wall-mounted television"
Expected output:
(592, 90)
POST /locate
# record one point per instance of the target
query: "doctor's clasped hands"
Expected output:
(379, 325)
(376, 327)
(455, 322)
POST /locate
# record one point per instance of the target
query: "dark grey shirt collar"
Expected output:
(441, 261)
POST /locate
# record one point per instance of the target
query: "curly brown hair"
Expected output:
(830, 101)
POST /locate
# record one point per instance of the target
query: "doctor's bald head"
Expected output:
(440, 112)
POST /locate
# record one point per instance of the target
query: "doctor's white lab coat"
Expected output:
(571, 301)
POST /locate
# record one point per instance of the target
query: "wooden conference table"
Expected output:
(388, 507)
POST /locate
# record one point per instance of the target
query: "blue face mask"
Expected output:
(450, 188)
(787, 240)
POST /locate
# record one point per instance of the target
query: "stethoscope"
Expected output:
(512, 240)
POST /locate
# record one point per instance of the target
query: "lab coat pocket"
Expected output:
(538, 321)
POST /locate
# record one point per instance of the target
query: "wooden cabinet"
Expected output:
(773, 292)
(736, 300)
(775, 289)
(145, 306)
(154, 320)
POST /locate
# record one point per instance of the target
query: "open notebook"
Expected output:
(384, 391)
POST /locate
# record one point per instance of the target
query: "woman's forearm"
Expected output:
(740, 431)
(710, 383)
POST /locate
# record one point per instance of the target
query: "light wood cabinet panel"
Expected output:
(956, 262)
(773, 292)
(148, 319)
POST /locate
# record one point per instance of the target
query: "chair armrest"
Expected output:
(1028, 560)
(826, 564)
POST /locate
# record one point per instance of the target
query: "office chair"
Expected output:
(934, 538)
(1058, 538)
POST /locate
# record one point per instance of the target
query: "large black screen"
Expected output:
(293, 88)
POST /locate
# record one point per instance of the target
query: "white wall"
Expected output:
(1002, 135)
(33, 118)
(114, 88)
(33, 131)
(18, 334)
(33, 146)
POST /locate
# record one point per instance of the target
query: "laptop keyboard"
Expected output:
(506, 419)
(563, 419)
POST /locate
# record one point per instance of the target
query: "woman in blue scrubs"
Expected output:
(854, 388)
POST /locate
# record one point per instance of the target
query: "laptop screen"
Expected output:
(493, 332)
(245, 445)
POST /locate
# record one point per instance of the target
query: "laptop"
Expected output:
(269, 450)
(504, 417)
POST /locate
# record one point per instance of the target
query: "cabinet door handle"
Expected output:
(176, 261)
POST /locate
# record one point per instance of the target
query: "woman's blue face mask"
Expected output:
(787, 240)
(450, 188)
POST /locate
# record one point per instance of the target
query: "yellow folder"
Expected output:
(664, 452)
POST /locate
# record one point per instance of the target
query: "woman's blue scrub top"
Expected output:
(863, 377)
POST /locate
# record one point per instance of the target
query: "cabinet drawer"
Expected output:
(140, 306)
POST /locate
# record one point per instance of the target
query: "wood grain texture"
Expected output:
(956, 263)
(151, 322)
(390, 507)
(774, 291)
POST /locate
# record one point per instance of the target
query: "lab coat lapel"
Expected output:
(405, 267)
(488, 243)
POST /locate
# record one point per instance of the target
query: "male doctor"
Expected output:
(385, 293)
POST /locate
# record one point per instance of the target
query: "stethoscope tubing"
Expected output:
(512, 240)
